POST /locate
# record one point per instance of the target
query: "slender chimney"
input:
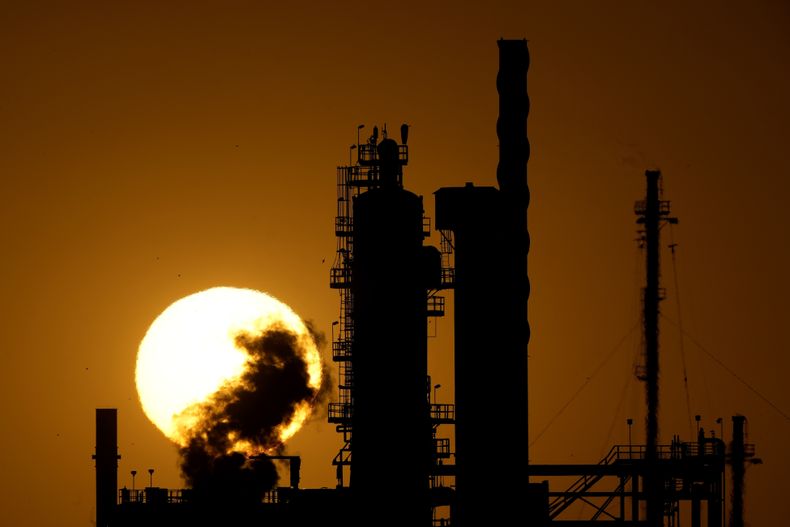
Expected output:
(489, 227)
(106, 457)
(512, 178)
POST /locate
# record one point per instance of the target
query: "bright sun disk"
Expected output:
(189, 353)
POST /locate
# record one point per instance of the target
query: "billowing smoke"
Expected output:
(320, 405)
(247, 417)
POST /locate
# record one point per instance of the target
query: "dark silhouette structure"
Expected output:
(391, 274)
(394, 466)
(742, 454)
(388, 282)
(652, 212)
(488, 227)
(738, 460)
(106, 457)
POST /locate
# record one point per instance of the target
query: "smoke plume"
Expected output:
(246, 417)
(321, 399)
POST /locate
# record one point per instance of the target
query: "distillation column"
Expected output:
(391, 445)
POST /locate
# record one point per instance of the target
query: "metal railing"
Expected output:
(435, 306)
(444, 413)
(152, 495)
(344, 226)
(664, 206)
(368, 154)
(339, 412)
(341, 350)
(708, 447)
(426, 226)
(441, 447)
(340, 277)
(448, 277)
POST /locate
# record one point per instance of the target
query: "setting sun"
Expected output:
(192, 356)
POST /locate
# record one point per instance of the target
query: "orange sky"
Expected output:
(152, 149)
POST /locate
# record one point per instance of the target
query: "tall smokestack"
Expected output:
(512, 179)
(511, 127)
(106, 457)
(490, 237)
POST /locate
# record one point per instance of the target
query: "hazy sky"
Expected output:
(152, 149)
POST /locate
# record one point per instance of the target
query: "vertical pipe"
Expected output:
(106, 457)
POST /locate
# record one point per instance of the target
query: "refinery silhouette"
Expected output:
(398, 465)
